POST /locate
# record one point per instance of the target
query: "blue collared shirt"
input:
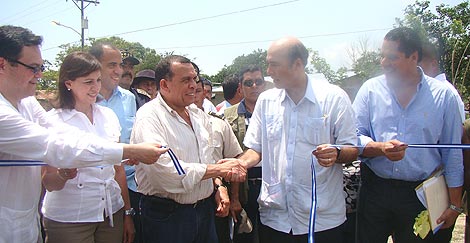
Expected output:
(122, 102)
(431, 117)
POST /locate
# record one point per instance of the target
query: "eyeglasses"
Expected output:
(249, 82)
(35, 69)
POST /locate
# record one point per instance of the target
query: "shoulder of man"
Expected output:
(231, 113)
(220, 116)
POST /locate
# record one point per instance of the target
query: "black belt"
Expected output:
(254, 173)
(369, 176)
(166, 204)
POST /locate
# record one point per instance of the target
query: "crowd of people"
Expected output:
(146, 156)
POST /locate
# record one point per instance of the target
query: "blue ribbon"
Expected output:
(313, 209)
(176, 162)
(17, 162)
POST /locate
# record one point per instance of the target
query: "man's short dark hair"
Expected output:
(14, 38)
(163, 68)
(249, 69)
(408, 41)
(97, 49)
(298, 50)
(230, 86)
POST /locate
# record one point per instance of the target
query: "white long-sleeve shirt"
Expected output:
(94, 190)
(24, 136)
(157, 122)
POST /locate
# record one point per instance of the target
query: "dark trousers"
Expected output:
(251, 208)
(269, 235)
(164, 220)
(389, 207)
(135, 200)
(350, 228)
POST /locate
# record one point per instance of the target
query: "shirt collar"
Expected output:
(116, 92)
(191, 107)
(309, 90)
(72, 112)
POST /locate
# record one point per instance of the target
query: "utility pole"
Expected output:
(84, 21)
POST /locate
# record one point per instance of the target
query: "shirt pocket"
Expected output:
(272, 196)
(315, 130)
(273, 127)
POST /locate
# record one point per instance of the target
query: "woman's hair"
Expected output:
(75, 65)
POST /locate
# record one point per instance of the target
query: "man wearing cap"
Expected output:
(144, 87)
(128, 63)
(26, 135)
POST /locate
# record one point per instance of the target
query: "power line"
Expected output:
(203, 18)
(269, 40)
(52, 14)
(256, 41)
(28, 11)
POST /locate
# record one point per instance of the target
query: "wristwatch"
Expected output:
(216, 187)
(338, 153)
(456, 209)
(129, 212)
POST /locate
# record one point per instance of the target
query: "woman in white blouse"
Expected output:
(86, 204)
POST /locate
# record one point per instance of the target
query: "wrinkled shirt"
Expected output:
(158, 123)
(285, 134)
(24, 136)
(431, 117)
(94, 190)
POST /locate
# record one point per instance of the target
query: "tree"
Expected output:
(49, 78)
(257, 57)
(148, 57)
(449, 29)
(321, 66)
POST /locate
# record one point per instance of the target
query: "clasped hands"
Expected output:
(233, 170)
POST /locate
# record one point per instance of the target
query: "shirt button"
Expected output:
(102, 198)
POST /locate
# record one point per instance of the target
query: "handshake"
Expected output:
(233, 170)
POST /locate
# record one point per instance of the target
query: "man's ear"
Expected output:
(164, 84)
(3, 62)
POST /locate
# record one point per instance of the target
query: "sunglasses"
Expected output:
(34, 69)
(249, 82)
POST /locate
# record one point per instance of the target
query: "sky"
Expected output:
(214, 32)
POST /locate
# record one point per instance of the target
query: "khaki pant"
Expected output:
(93, 232)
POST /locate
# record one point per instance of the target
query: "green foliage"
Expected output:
(49, 78)
(321, 66)
(148, 57)
(449, 29)
(367, 65)
(257, 57)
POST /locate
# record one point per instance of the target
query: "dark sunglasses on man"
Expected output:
(249, 82)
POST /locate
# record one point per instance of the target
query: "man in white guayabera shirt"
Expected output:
(28, 134)
(303, 115)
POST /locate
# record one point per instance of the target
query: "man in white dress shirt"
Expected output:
(25, 136)
(291, 127)
(177, 207)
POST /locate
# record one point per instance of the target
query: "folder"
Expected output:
(437, 199)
